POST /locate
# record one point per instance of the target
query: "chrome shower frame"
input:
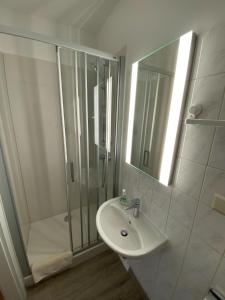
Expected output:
(119, 113)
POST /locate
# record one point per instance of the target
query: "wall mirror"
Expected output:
(157, 96)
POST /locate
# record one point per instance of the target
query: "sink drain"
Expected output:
(124, 232)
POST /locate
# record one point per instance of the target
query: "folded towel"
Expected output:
(51, 265)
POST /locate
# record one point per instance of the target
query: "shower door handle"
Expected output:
(146, 158)
(72, 171)
(103, 158)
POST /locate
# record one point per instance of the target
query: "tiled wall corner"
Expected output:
(194, 259)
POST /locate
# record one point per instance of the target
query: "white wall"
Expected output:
(145, 25)
(194, 259)
(35, 110)
(31, 83)
(35, 24)
(43, 26)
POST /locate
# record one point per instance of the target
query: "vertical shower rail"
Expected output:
(64, 144)
(87, 149)
(81, 105)
(78, 126)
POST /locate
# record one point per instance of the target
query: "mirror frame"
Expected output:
(182, 72)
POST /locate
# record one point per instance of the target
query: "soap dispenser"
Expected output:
(123, 198)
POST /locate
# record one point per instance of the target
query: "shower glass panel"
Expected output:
(89, 96)
(60, 141)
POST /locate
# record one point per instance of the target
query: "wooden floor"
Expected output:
(100, 278)
(1, 296)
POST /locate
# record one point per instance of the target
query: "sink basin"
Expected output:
(126, 235)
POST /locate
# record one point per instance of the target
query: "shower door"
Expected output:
(89, 111)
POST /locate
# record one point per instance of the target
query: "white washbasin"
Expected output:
(140, 235)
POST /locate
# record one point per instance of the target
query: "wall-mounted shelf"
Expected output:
(206, 122)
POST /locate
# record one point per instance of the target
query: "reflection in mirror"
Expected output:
(158, 84)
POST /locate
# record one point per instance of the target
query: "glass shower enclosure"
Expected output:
(62, 136)
(88, 94)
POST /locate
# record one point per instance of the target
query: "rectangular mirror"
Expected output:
(157, 94)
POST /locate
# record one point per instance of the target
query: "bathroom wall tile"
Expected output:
(138, 185)
(183, 208)
(130, 181)
(197, 143)
(189, 178)
(181, 139)
(171, 259)
(214, 182)
(218, 281)
(189, 96)
(199, 266)
(209, 226)
(217, 156)
(209, 92)
(158, 216)
(197, 57)
(145, 189)
(145, 269)
(161, 195)
(213, 50)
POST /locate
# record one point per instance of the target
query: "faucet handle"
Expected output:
(137, 201)
(133, 203)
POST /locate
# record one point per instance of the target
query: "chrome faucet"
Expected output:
(135, 204)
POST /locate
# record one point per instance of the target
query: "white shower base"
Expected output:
(50, 236)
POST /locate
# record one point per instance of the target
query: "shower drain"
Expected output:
(124, 232)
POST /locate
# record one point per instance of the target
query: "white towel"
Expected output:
(51, 265)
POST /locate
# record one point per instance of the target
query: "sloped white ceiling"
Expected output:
(89, 15)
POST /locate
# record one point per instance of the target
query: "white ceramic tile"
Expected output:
(158, 216)
(197, 57)
(197, 143)
(214, 183)
(161, 195)
(213, 52)
(210, 227)
(145, 190)
(209, 93)
(145, 269)
(189, 178)
(217, 156)
(219, 279)
(183, 208)
(181, 139)
(171, 259)
(130, 181)
(199, 267)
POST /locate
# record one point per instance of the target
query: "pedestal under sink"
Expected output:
(125, 234)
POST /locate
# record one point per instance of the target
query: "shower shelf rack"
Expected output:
(206, 122)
